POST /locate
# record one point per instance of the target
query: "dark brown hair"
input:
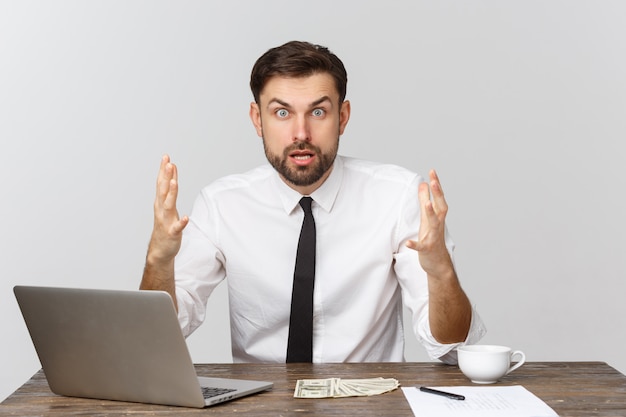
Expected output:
(297, 59)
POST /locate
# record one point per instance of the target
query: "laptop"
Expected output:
(119, 345)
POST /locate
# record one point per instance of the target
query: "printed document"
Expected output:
(480, 401)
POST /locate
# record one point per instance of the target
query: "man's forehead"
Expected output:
(310, 88)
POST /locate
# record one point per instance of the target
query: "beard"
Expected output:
(302, 176)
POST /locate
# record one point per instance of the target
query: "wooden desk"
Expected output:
(570, 388)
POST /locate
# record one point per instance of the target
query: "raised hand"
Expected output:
(166, 234)
(431, 245)
(168, 226)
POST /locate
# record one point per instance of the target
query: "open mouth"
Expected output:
(302, 157)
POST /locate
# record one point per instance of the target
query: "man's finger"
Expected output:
(165, 159)
(174, 171)
(169, 202)
(163, 179)
(439, 200)
(423, 194)
(180, 225)
(413, 244)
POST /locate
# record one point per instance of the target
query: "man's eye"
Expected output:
(282, 113)
(318, 112)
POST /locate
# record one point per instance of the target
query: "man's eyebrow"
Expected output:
(287, 105)
(278, 101)
(320, 101)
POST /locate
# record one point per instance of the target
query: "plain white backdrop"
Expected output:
(519, 105)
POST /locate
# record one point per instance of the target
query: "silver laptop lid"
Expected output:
(111, 344)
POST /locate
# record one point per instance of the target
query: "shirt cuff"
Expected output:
(446, 353)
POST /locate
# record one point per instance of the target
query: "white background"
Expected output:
(520, 106)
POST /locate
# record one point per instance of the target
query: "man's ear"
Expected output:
(344, 116)
(255, 116)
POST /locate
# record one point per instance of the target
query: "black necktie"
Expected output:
(300, 344)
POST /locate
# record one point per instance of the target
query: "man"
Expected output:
(380, 240)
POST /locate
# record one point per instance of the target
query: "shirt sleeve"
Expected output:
(414, 283)
(199, 266)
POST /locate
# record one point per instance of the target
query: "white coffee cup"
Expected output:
(485, 364)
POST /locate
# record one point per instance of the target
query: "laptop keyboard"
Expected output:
(209, 392)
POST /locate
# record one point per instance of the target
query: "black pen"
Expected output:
(442, 393)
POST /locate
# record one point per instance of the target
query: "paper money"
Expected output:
(337, 387)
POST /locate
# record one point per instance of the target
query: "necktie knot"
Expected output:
(305, 203)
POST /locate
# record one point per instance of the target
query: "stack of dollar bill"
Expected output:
(337, 387)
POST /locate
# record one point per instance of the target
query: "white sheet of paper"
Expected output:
(484, 401)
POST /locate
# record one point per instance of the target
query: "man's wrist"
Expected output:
(155, 261)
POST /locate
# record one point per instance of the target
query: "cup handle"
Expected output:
(519, 363)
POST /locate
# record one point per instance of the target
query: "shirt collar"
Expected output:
(324, 196)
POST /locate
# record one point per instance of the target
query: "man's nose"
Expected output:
(301, 129)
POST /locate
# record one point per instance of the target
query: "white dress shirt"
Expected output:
(246, 227)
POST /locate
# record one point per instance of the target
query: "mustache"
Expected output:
(301, 146)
